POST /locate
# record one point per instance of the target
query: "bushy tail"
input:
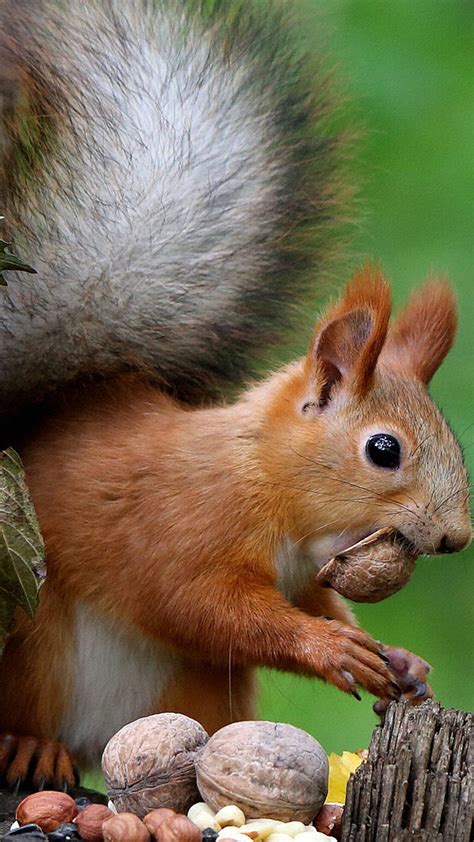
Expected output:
(168, 169)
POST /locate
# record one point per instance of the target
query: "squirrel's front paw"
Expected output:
(410, 671)
(349, 658)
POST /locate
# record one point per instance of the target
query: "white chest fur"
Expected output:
(297, 562)
(117, 677)
(294, 569)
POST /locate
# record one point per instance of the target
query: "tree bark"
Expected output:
(417, 781)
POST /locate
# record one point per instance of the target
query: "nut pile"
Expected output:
(230, 823)
(55, 817)
(161, 766)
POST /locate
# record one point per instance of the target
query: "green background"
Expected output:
(407, 67)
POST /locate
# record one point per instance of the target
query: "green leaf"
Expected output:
(21, 546)
(11, 261)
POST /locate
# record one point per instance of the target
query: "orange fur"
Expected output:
(169, 521)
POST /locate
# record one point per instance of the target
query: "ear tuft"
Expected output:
(369, 288)
(423, 333)
(348, 340)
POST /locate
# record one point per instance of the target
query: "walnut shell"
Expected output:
(370, 570)
(150, 763)
(266, 769)
(48, 809)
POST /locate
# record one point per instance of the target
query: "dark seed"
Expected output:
(356, 695)
(27, 833)
(83, 802)
(209, 835)
(64, 833)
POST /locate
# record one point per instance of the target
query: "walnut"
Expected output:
(370, 570)
(266, 769)
(150, 763)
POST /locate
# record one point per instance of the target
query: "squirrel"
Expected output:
(164, 166)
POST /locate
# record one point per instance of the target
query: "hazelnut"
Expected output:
(90, 820)
(370, 570)
(124, 827)
(150, 763)
(47, 809)
(179, 829)
(266, 769)
(329, 820)
(155, 819)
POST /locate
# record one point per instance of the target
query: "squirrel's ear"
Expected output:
(347, 341)
(423, 333)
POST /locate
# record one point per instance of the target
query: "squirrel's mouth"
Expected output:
(372, 569)
(404, 543)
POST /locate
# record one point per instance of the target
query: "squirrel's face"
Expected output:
(362, 444)
(388, 459)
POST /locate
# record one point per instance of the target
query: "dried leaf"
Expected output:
(341, 768)
(21, 546)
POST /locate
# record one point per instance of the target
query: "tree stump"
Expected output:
(417, 781)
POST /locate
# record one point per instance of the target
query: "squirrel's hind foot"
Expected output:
(42, 763)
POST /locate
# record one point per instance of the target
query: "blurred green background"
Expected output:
(407, 66)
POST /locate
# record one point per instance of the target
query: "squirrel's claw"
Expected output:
(37, 762)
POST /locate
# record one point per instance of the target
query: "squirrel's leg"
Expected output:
(214, 696)
(325, 602)
(34, 677)
(245, 615)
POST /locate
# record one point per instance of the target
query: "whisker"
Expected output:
(429, 436)
(231, 715)
(458, 490)
(361, 487)
(313, 531)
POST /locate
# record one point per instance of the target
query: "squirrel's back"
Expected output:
(169, 171)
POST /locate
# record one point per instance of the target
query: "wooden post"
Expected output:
(417, 781)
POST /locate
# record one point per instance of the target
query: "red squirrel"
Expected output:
(183, 541)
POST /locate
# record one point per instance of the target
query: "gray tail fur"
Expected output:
(168, 168)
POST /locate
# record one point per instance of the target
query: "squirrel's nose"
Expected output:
(453, 543)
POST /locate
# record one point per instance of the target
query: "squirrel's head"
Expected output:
(361, 444)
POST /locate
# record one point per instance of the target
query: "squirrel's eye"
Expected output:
(383, 450)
